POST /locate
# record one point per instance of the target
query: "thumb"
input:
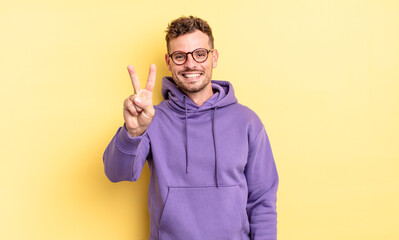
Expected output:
(146, 108)
(143, 100)
(138, 101)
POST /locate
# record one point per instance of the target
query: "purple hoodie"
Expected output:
(213, 176)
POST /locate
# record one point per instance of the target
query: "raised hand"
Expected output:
(138, 109)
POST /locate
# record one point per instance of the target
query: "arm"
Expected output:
(262, 179)
(125, 156)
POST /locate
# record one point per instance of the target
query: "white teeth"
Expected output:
(192, 75)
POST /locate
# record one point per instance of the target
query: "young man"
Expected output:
(213, 175)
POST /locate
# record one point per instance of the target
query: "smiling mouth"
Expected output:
(191, 75)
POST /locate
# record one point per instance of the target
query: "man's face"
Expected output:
(192, 77)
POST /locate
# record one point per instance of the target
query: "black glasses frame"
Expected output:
(207, 54)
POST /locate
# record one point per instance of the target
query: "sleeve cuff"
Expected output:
(126, 143)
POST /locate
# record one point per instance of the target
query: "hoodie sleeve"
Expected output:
(262, 179)
(125, 156)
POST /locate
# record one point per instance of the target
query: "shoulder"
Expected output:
(163, 108)
(161, 113)
(245, 114)
(241, 118)
(164, 113)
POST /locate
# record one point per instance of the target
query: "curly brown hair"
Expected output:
(185, 25)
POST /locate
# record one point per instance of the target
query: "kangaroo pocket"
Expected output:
(199, 213)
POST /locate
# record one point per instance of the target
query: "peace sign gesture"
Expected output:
(138, 109)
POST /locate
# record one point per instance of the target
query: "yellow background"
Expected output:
(322, 75)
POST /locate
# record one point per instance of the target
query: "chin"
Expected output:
(191, 88)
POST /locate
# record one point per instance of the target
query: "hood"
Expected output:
(223, 95)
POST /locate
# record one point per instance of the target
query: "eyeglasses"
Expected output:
(200, 55)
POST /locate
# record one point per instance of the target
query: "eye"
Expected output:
(179, 56)
(200, 53)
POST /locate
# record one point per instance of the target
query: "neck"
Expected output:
(200, 97)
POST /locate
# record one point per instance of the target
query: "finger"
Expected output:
(136, 100)
(129, 107)
(134, 78)
(151, 78)
(147, 115)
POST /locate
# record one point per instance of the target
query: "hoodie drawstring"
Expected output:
(214, 144)
(213, 135)
(185, 126)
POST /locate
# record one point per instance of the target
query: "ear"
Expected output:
(167, 60)
(215, 58)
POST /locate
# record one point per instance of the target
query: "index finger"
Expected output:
(135, 79)
(151, 78)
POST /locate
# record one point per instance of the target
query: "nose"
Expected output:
(190, 63)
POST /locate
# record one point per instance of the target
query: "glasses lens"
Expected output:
(200, 55)
(179, 57)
